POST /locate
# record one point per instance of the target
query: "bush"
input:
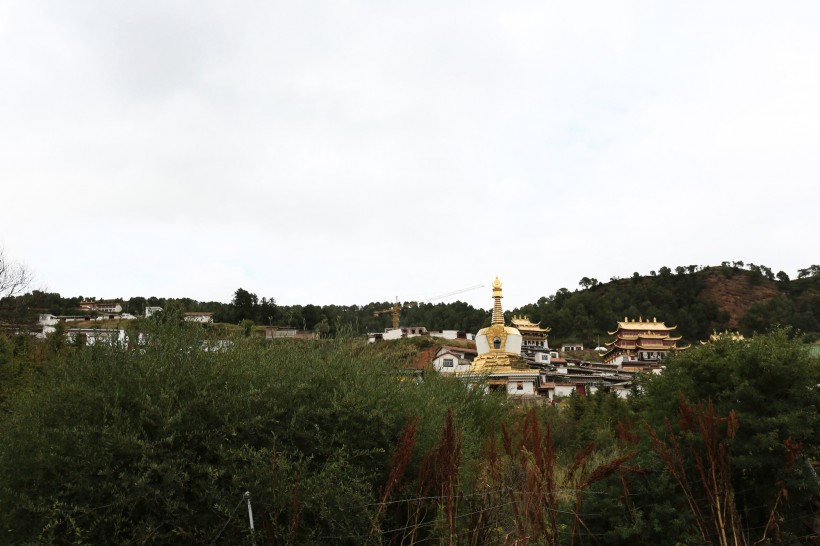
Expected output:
(158, 445)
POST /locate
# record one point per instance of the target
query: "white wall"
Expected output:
(199, 318)
(527, 390)
(564, 390)
(482, 345)
(438, 364)
(513, 344)
(451, 334)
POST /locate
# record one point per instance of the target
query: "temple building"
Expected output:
(499, 362)
(534, 340)
(641, 340)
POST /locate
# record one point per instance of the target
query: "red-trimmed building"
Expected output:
(641, 340)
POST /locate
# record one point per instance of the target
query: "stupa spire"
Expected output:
(498, 313)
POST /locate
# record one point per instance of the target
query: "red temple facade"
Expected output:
(641, 340)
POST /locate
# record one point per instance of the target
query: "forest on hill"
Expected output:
(698, 300)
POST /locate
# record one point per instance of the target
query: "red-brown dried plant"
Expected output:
(402, 455)
(439, 478)
(709, 456)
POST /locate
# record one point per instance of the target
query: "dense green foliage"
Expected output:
(677, 298)
(104, 444)
(156, 442)
(773, 386)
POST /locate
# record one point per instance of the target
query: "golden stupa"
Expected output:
(498, 346)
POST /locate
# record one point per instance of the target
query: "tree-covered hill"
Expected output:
(696, 299)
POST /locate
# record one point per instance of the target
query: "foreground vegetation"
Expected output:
(157, 443)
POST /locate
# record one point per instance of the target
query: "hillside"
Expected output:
(696, 300)
(736, 294)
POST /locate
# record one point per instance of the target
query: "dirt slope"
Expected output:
(736, 294)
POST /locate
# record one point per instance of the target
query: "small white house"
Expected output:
(47, 320)
(564, 389)
(286, 332)
(196, 316)
(571, 347)
(151, 310)
(622, 390)
(452, 334)
(538, 355)
(522, 385)
(454, 359)
(101, 306)
(397, 333)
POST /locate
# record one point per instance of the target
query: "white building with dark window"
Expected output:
(454, 359)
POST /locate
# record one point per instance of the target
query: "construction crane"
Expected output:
(396, 308)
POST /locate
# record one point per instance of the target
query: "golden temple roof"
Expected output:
(640, 324)
(523, 323)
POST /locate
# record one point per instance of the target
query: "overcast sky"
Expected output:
(348, 152)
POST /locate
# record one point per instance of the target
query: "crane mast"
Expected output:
(397, 307)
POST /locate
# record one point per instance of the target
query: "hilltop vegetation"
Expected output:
(698, 300)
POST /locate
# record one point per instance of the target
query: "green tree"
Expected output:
(244, 304)
(136, 306)
(771, 383)
(158, 445)
(57, 340)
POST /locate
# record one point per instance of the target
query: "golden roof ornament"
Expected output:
(498, 313)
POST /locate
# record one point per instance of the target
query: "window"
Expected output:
(497, 343)
(448, 362)
(520, 386)
(545, 356)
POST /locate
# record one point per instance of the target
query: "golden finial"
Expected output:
(498, 315)
(496, 287)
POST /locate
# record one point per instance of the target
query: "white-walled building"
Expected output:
(571, 347)
(198, 316)
(91, 335)
(101, 306)
(452, 334)
(397, 333)
(454, 359)
(286, 332)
